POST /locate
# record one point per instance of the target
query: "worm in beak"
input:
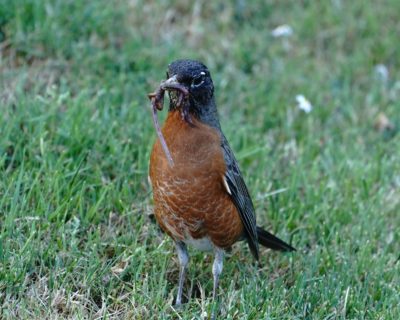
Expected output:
(157, 103)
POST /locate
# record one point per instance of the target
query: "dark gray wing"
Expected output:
(241, 197)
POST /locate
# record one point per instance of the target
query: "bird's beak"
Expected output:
(172, 83)
(172, 80)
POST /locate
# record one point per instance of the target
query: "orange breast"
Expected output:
(190, 200)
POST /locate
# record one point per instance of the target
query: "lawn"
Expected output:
(77, 236)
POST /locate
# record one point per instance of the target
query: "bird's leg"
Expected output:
(216, 270)
(183, 257)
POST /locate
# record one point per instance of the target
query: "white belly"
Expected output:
(203, 244)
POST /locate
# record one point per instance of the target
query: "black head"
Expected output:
(195, 77)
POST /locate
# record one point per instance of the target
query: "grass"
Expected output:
(77, 237)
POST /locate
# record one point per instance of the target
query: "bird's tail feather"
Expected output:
(270, 241)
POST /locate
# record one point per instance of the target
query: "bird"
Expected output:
(200, 197)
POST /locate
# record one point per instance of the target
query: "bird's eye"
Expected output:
(198, 81)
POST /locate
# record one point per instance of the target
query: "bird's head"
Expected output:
(191, 78)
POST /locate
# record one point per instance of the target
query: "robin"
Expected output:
(200, 197)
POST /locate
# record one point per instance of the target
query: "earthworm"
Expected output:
(157, 103)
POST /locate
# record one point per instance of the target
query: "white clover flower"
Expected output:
(382, 72)
(303, 103)
(282, 31)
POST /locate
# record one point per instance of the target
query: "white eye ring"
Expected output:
(194, 84)
(197, 85)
